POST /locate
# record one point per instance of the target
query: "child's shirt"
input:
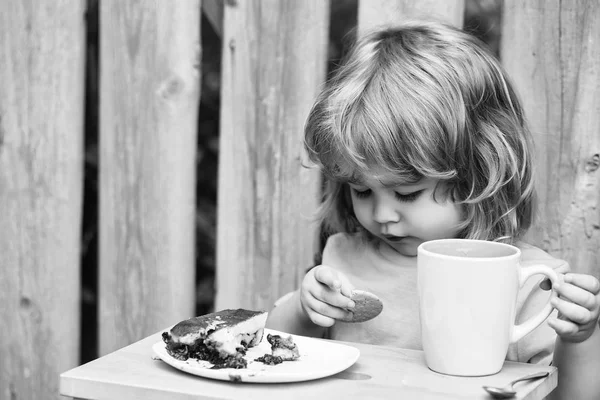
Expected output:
(377, 268)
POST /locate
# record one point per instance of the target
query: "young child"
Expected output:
(421, 136)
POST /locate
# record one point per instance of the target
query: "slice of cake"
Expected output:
(220, 338)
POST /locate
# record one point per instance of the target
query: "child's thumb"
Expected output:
(347, 288)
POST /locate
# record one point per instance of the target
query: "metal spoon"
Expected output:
(508, 390)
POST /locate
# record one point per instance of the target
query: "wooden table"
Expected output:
(380, 373)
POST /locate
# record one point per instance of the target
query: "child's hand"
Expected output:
(578, 306)
(325, 295)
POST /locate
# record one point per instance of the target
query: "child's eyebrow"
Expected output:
(399, 182)
(387, 183)
(354, 181)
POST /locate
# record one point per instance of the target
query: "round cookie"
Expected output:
(367, 307)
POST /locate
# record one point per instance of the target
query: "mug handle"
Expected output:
(523, 329)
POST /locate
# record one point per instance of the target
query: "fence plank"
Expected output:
(41, 181)
(274, 59)
(149, 91)
(552, 51)
(372, 13)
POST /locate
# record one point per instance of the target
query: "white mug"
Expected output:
(467, 298)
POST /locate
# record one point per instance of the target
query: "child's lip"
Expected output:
(393, 238)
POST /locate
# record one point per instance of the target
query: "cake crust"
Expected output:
(212, 321)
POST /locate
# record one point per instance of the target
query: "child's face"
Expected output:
(404, 215)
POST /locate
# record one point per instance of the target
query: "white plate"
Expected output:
(318, 359)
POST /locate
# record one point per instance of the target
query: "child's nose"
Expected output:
(384, 211)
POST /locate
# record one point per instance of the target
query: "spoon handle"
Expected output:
(532, 376)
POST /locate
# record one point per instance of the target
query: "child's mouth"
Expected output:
(393, 238)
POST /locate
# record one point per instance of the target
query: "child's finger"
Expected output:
(577, 295)
(331, 297)
(584, 281)
(325, 309)
(347, 288)
(328, 276)
(563, 327)
(572, 311)
(320, 319)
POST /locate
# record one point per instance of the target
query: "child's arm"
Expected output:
(322, 299)
(577, 352)
(578, 365)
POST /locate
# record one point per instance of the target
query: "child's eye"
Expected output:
(408, 197)
(362, 193)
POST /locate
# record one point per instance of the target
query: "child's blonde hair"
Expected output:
(427, 100)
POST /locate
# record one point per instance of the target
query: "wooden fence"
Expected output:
(274, 60)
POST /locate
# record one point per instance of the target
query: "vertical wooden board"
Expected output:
(372, 13)
(274, 61)
(552, 51)
(149, 99)
(41, 166)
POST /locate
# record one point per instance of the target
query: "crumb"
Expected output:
(282, 349)
(269, 359)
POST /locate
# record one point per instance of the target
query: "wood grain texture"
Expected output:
(41, 180)
(552, 51)
(372, 13)
(149, 98)
(274, 59)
